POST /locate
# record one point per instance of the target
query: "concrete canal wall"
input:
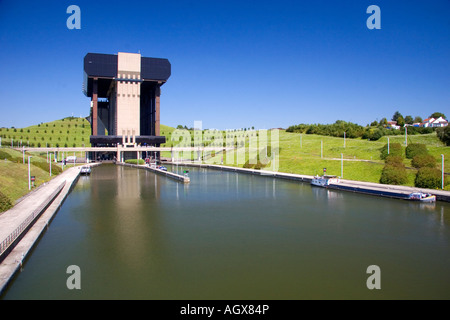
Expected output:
(168, 174)
(22, 226)
(377, 189)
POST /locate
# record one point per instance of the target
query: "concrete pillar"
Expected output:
(157, 104)
(95, 107)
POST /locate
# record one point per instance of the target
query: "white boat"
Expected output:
(423, 197)
(324, 181)
(85, 170)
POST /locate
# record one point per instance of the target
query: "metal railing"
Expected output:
(13, 236)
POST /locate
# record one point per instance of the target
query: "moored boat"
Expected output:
(423, 197)
(324, 181)
(85, 170)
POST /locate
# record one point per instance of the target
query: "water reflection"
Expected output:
(236, 236)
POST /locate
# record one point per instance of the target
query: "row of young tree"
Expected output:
(394, 171)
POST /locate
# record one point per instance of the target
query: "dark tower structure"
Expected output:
(125, 94)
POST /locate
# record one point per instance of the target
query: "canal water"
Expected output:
(137, 235)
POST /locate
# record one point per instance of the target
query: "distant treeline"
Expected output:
(353, 130)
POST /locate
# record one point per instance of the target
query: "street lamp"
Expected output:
(388, 145)
(344, 139)
(29, 173)
(406, 135)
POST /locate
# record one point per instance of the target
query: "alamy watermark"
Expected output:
(374, 20)
(74, 20)
(74, 280)
(257, 149)
(374, 280)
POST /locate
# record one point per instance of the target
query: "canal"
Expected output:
(138, 235)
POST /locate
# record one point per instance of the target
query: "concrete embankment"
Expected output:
(168, 174)
(22, 225)
(377, 189)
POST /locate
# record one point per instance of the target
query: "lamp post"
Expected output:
(29, 173)
(443, 176)
(344, 139)
(388, 145)
(406, 135)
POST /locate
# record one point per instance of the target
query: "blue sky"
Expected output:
(235, 64)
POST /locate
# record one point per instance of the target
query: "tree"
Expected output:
(418, 119)
(383, 122)
(374, 123)
(396, 116)
(409, 120)
(400, 121)
(438, 115)
(444, 135)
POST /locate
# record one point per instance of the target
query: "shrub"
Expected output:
(394, 174)
(5, 202)
(429, 178)
(134, 161)
(415, 149)
(394, 160)
(444, 135)
(395, 149)
(46, 167)
(5, 155)
(423, 160)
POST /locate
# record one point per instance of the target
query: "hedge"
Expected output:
(430, 178)
(5, 202)
(394, 160)
(134, 161)
(415, 149)
(5, 155)
(444, 135)
(395, 149)
(46, 167)
(423, 160)
(394, 174)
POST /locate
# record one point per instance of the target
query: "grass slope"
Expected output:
(14, 173)
(67, 132)
(302, 154)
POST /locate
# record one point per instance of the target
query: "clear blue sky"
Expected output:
(234, 63)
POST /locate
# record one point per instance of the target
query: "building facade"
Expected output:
(125, 92)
